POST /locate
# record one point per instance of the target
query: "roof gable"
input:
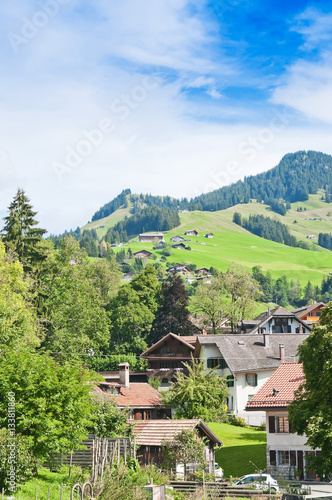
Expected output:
(138, 394)
(279, 390)
(167, 337)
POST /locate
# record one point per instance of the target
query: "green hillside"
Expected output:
(231, 243)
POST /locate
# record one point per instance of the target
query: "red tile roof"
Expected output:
(278, 391)
(139, 394)
(154, 432)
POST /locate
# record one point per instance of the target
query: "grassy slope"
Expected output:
(241, 445)
(232, 243)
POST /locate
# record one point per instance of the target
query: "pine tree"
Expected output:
(173, 314)
(20, 233)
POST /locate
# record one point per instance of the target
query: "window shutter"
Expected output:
(290, 428)
(272, 427)
(273, 457)
(292, 455)
(209, 363)
(255, 379)
(246, 379)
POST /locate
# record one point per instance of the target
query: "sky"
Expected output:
(173, 97)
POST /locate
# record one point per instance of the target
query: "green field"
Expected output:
(241, 446)
(232, 243)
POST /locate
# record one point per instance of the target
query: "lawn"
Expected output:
(242, 445)
(45, 480)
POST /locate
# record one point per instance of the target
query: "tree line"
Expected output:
(270, 229)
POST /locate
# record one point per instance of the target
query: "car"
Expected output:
(259, 481)
(218, 472)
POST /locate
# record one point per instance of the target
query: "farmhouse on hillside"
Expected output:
(286, 451)
(150, 435)
(179, 268)
(151, 238)
(192, 232)
(179, 246)
(143, 254)
(202, 271)
(177, 239)
(248, 361)
(208, 235)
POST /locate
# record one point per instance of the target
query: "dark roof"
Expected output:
(278, 391)
(247, 352)
(155, 432)
(187, 341)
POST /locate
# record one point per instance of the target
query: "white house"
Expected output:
(286, 451)
(279, 320)
(248, 361)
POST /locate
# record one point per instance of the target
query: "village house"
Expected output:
(166, 357)
(311, 313)
(142, 401)
(279, 320)
(179, 246)
(152, 434)
(202, 271)
(208, 235)
(179, 268)
(151, 238)
(142, 254)
(177, 239)
(192, 232)
(285, 450)
(247, 361)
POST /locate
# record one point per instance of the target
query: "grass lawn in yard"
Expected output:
(241, 445)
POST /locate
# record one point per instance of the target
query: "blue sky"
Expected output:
(170, 97)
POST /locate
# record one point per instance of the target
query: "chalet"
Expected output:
(151, 238)
(205, 279)
(279, 320)
(286, 450)
(311, 236)
(179, 268)
(192, 232)
(177, 239)
(142, 401)
(202, 270)
(151, 435)
(165, 358)
(208, 235)
(247, 361)
(128, 277)
(311, 313)
(142, 254)
(179, 246)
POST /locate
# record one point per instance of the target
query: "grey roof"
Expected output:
(247, 352)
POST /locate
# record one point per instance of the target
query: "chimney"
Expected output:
(124, 374)
(282, 352)
(266, 338)
(292, 357)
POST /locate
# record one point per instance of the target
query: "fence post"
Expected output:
(37, 492)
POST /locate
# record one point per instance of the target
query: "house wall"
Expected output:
(240, 392)
(313, 315)
(292, 325)
(289, 442)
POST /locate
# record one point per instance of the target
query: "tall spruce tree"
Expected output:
(173, 314)
(20, 233)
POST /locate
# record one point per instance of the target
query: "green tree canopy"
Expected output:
(210, 300)
(197, 394)
(311, 410)
(186, 448)
(21, 233)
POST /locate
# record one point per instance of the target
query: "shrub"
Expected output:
(238, 421)
(262, 427)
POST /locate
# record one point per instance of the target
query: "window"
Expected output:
(130, 415)
(310, 314)
(148, 415)
(216, 363)
(230, 381)
(318, 313)
(282, 425)
(283, 457)
(251, 379)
